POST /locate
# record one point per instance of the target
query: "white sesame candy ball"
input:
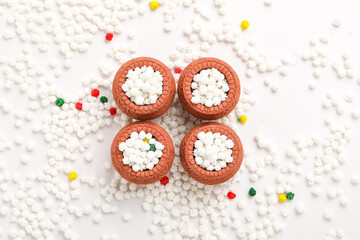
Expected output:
(143, 85)
(142, 135)
(229, 143)
(212, 151)
(138, 154)
(207, 85)
(134, 135)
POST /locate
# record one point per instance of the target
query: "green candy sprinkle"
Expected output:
(290, 195)
(252, 192)
(103, 99)
(152, 147)
(59, 102)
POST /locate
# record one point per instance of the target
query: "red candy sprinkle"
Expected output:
(78, 105)
(231, 195)
(109, 36)
(164, 180)
(112, 111)
(177, 70)
(95, 92)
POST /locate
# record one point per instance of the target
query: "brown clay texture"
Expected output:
(199, 110)
(195, 171)
(149, 176)
(144, 112)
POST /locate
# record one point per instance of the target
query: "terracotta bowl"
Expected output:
(160, 169)
(144, 112)
(199, 110)
(195, 171)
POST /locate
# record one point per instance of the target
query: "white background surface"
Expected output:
(285, 27)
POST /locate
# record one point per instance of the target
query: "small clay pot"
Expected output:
(195, 171)
(144, 112)
(199, 110)
(159, 170)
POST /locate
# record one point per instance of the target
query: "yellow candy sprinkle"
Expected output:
(242, 119)
(244, 25)
(146, 140)
(73, 176)
(282, 198)
(154, 5)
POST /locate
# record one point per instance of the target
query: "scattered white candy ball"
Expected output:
(127, 217)
(355, 180)
(328, 215)
(97, 218)
(300, 209)
(336, 22)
